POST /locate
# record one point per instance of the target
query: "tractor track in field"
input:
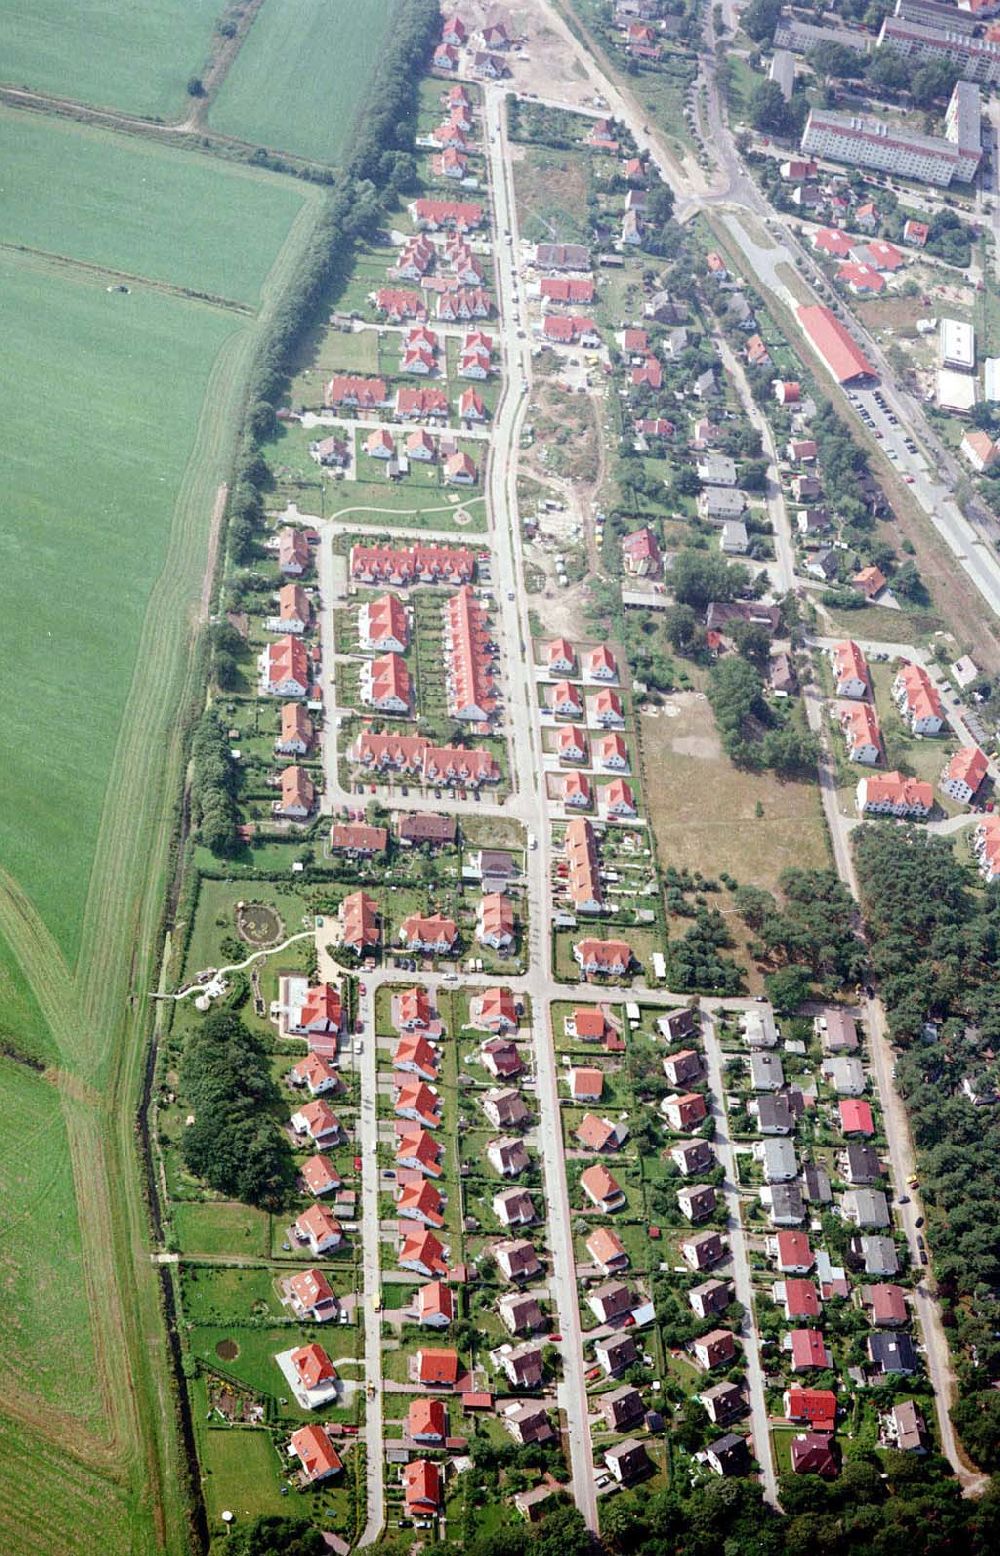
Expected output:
(127, 278)
(188, 134)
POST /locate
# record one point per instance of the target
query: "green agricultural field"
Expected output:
(301, 75)
(43, 1489)
(137, 206)
(114, 53)
(99, 406)
(22, 1025)
(44, 1298)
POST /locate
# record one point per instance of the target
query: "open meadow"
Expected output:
(710, 816)
(133, 205)
(301, 76)
(137, 58)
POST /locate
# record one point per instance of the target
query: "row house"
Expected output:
(429, 403)
(890, 794)
(468, 658)
(348, 390)
(383, 626)
(429, 934)
(284, 668)
(400, 304)
(416, 564)
(964, 774)
(298, 733)
(605, 958)
(584, 870)
(851, 678)
(456, 215)
(385, 685)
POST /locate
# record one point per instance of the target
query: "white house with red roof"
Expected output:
(315, 1074)
(917, 699)
(311, 1297)
(317, 1227)
(314, 1449)
(317, 1121)
(310, 1374)
(964, 774)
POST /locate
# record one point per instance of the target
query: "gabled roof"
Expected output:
(313, 1366)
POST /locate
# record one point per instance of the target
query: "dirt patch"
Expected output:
(895, 313)
(259, 925)
(548, 65)
(706, 747)
(227, 1350)
(560, 610)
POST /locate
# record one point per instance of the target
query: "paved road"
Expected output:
(782, 569)
(371, 1284)
(525, 732)
(740, 1260)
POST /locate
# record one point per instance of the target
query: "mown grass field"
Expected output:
(112, 53)
(302, 74)
(140, 207)
(99, 406)
(43, 1298)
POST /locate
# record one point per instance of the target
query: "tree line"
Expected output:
(934, 942)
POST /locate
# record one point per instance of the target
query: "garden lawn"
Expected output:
(242, 1474)
(220, 1296)
(301, 76)
(99, 406)
(256, 1367)
(113, 53)
(137, 206)
(217, 900)
(222, 1226)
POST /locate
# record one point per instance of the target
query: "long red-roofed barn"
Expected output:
(842, 356)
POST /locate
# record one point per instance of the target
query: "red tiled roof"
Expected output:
(320, 1175)
(359, 921)
(313, 1366)
(422, 1485)
(427, 1418)
(842, 356)
(311, 1444)
(437, 1367)
(856, 1116)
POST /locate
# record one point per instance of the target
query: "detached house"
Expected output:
(505, 1108)
(602, 1189)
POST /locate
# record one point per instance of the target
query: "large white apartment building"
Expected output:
(800, 37)
(977, 59)
(932, 13)
(929, 159)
